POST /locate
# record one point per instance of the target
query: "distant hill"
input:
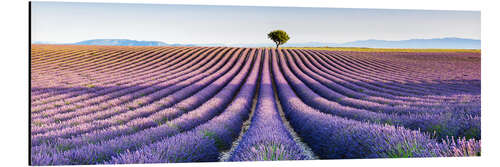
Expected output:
(43, 42)
(120, 42)
(115, 42)
(443, 43)
(434, 43)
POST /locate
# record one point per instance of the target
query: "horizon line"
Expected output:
(139, 40)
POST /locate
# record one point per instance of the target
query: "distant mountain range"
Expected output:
(443, 43)
(120, 42)
(116, 42)
(435, 43)
(125, 42)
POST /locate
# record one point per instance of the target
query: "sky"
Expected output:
(68, 22)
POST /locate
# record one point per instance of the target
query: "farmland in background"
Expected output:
(361, 49)
(134, 104)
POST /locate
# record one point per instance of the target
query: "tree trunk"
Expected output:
(277, 45)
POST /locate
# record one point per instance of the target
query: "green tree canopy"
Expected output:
(279, 37)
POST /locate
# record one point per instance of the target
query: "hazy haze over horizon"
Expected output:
(63, 22)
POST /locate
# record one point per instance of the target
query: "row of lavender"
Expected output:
(189, 104)
(145, 119)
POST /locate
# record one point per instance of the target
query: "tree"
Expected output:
(279, 37)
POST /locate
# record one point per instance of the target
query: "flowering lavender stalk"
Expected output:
(141, 111)
(334, 137)
(369, 82)
(108, 104)
(381, 86)
(160, 82)
(142, 123)
(453, 123)
(98, 92)
(267, 138)
(355, 91)
(319, 85)
(389, 81)
(205, 141)
(399, 74)
(105, 149)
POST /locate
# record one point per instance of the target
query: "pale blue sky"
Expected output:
(72, 22)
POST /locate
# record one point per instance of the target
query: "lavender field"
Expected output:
(132, 104)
